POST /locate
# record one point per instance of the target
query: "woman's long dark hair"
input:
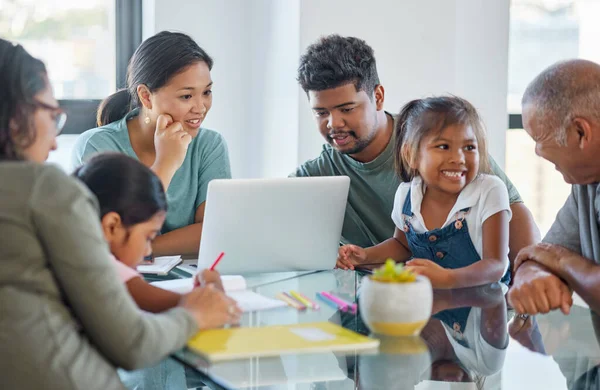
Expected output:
(123, 185)
(21, 78)
(153, 64)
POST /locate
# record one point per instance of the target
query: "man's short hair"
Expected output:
(334, 61)
(563, 91)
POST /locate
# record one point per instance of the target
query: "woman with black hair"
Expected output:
(66, 321)
(157, 119)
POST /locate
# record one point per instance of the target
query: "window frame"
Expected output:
(128, 33)
(515, 121)
(128, 36)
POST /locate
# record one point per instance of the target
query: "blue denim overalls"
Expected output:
(450, 247)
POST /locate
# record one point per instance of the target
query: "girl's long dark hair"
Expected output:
(123, 185)
(420, 117)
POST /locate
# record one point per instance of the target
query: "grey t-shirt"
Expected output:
(576, 224)
(373, 185)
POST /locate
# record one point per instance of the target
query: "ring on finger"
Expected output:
(523, 317)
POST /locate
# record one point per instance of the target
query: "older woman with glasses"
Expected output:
(18, 139)
(66, 321)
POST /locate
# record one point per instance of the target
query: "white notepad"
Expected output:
(162, 265)
(235, 287)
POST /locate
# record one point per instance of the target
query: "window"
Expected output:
(543, 32)
(75, 39)
(85, 45)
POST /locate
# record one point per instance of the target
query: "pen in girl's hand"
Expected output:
(212, 268)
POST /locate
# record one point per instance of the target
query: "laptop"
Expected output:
(273, 225)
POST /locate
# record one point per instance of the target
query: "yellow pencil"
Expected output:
(302, 299)
(291, 302)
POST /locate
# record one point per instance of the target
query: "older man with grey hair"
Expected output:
(561, 112)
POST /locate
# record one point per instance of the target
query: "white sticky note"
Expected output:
(312, 334)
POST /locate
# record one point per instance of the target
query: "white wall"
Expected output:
(422, 47)
(274, 46)
(255, 103)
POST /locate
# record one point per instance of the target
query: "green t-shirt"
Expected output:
(207, 158)
(373, 185)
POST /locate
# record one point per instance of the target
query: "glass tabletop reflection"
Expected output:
(472, 341)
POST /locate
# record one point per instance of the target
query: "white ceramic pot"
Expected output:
(396, 309)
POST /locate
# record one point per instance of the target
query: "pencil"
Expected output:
(304, 300)
(328, 302)
(290, 301)
(342, 305)
(212, 268)
(351, 306)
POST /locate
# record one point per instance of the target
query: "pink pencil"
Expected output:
(349, 305)
(217, 261)
(341, 304)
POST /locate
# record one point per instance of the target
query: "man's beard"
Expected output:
(359, 144)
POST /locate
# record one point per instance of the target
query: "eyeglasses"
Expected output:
(60, 116)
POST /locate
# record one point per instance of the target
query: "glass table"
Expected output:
(472, 341)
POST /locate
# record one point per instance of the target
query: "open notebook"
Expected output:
(239, 343)
(161, 265)
(235, 287)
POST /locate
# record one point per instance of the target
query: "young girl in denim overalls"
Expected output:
(451, 218)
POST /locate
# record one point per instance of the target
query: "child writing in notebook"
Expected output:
(452, 217)
(133, 208)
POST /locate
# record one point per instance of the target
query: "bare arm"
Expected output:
(527, 332)
(493, 325)
(171, 143)
(561, 254)
(395, 248)
(489, 298)
(492, 266)
(583, 276)
(537, 286)
(182, 241)
(156, 300)
(486, 296)
(538, 290)
(67, 225)
(523, 230)
(164, 173)
(150, 298)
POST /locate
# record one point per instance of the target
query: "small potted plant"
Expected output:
(394, 301)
